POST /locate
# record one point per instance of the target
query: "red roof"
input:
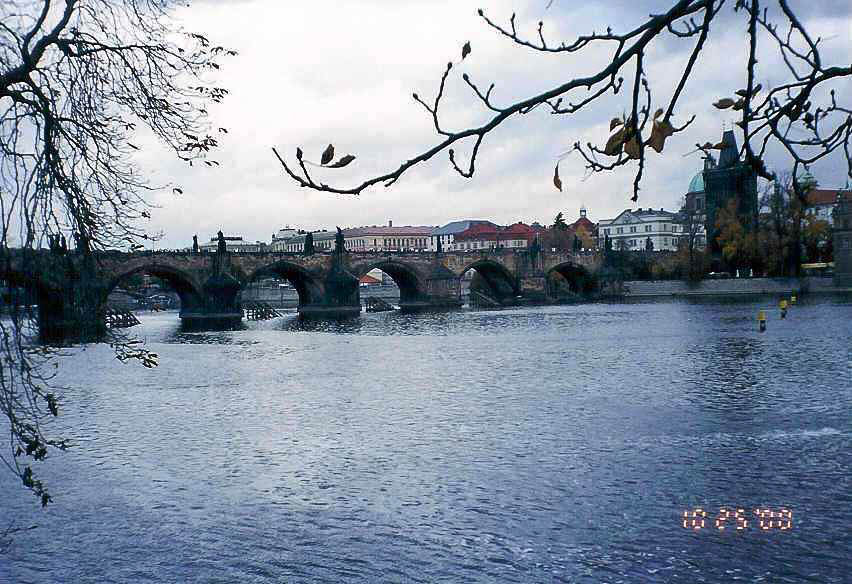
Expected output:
(585, 224)
(495, 232)
(368, 279)
(822, 196)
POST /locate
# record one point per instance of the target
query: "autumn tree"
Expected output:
(800, 111)
(82, 82)
(738, 244)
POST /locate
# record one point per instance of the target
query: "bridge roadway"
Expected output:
(73, 287)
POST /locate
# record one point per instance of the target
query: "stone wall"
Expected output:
(730, 287)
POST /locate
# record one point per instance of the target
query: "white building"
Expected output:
(279, 238)
(631, 229)
(821, 203)
(234, 244)
(388, 238)
(323, 241)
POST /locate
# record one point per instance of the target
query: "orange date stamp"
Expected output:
(739, 519)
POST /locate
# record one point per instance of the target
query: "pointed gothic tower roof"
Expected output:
(730, 154)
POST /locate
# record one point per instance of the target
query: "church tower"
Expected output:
(731, 178)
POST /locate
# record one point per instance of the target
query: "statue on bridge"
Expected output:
(81, 240)
(309, 244)
(440, 247)
(221, 247)
(195, 244)
(535, 249)
(339, 242)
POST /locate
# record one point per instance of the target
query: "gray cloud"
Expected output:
(343, 72)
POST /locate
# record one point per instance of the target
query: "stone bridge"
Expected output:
(72, 288)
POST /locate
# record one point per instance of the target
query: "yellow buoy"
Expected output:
(761, 320)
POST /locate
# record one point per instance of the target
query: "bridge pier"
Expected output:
(341, 297)
(534, 288)
(441, 290)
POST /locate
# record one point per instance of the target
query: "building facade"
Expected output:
(585, 230)
(280, 238)
(413, 238)
(323, 241)
(234, 244)
(632, 229)
(842, 233)
(447, 234)
(693, 214)
(489, 236)
(822, 202)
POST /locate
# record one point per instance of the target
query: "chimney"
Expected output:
(640, 209)
(390, 223)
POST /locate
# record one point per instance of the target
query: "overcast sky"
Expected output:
(343, 71)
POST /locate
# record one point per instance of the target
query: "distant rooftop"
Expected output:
(458, 226)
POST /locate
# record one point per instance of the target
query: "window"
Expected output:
(647, 228)
(620, 230)
(665, 241)
(606, 231)
(632, 229)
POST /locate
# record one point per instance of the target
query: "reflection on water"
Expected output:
(523, 445)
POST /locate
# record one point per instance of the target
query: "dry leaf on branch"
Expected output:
(557, 182)
(343, 161)
(327, 155)
(724, 103)
(615, 142)
(465, 50)
(631, 148)
(659, 133)
(614, 124)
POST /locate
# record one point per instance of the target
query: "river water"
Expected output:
(557, 444)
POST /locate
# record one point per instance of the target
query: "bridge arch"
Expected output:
(406, 278)
(307, 285)
(189, 291)
(569, 277)
(495, 280)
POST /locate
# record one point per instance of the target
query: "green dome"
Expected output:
(696, 185)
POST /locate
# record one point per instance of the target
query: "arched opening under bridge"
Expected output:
(568, 281)
(153, 287)
(282, 285)
(394, 282)
(488, 283)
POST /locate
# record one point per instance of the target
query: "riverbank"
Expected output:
(731, 287)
